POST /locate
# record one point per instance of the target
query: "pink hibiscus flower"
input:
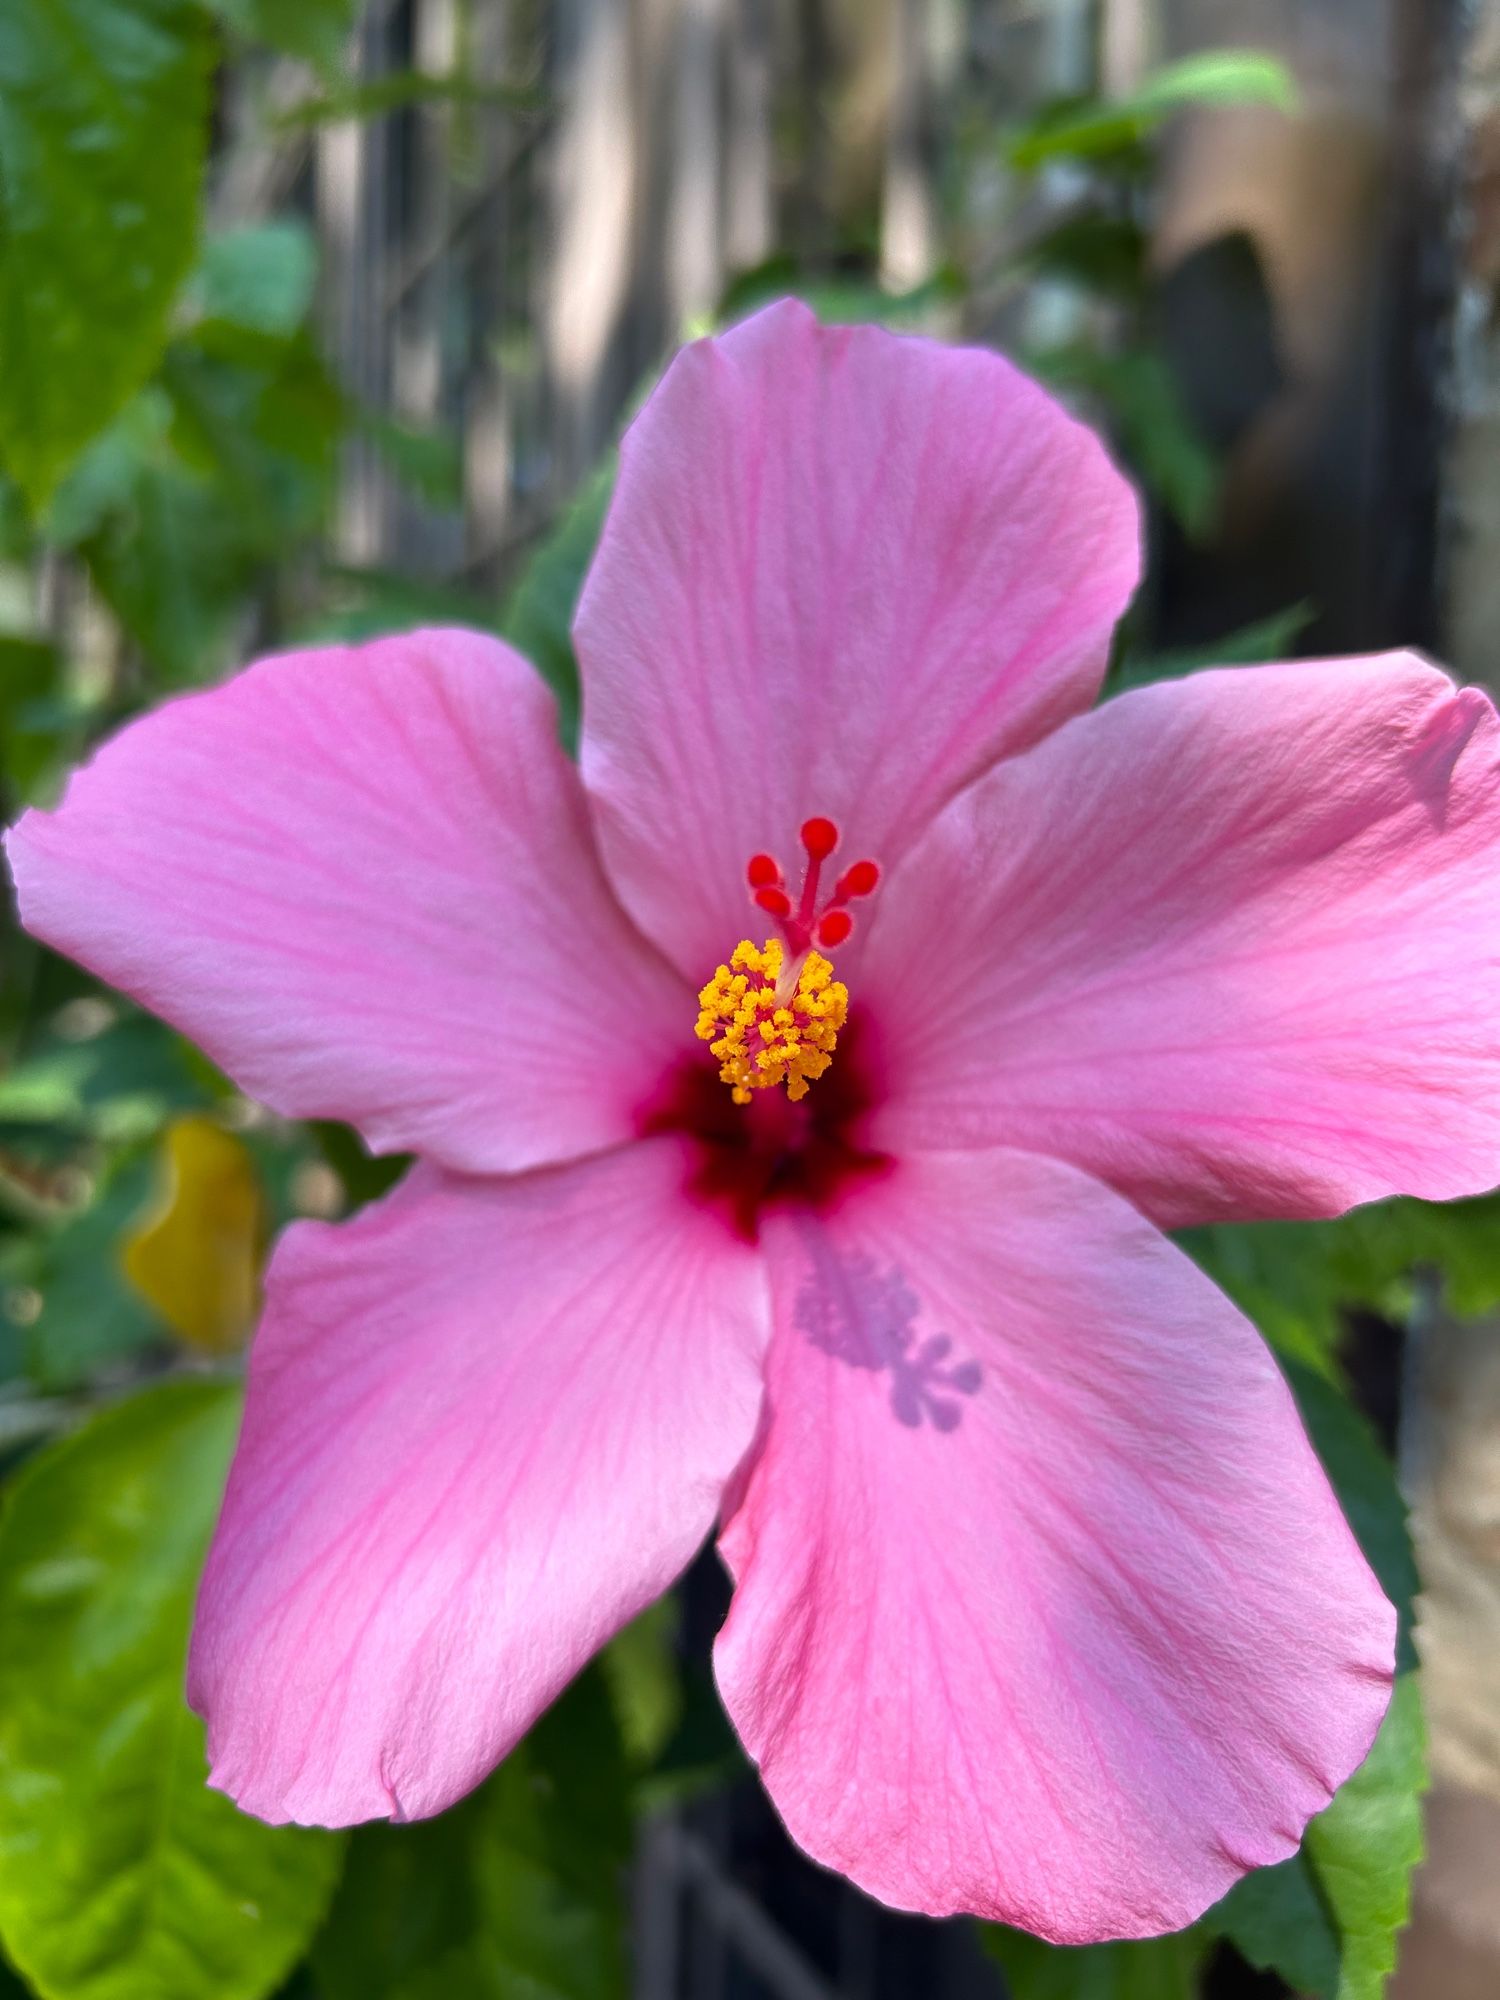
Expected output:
(1043, 1609)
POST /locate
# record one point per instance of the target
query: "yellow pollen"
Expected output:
(769, 1022)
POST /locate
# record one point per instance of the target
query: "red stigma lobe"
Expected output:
(860, 880)
(820, 837)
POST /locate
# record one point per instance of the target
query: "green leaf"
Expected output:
(1277, 1919)
(1092, 129)
(1216, 76)
(103, 123)
(260, 277)
(1152, 1969)
(538, 617)
(121, 1874)
(517, 1894)
(1328, 1919)
(1377, 1249)
(1247, 646)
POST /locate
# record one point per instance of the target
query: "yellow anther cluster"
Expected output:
(768, 1026)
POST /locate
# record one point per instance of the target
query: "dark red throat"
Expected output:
(749, 1158)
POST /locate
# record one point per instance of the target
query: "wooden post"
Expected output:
(593, 179)
(350, 175)
(695, 240)
(749, 221)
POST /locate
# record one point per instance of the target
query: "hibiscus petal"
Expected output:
(487, 1423)
(1044, 1608)
(364, 879)
(1230, 943)
(843, 571)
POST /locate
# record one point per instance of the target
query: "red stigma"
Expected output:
(811, 916)
(860, 880)
(820, 837)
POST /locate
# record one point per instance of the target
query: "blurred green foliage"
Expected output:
(1153, 1969)
(517, 1894)
(121, 1873)
(169, 431)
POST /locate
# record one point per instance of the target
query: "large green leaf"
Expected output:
(103, 123)
(1153, 1969)
(517, 1894)
(121, 1875)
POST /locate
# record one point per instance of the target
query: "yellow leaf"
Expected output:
(196, 1256)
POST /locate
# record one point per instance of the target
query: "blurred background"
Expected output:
(319, 320)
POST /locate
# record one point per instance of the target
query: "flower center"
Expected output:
(772, 1015)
